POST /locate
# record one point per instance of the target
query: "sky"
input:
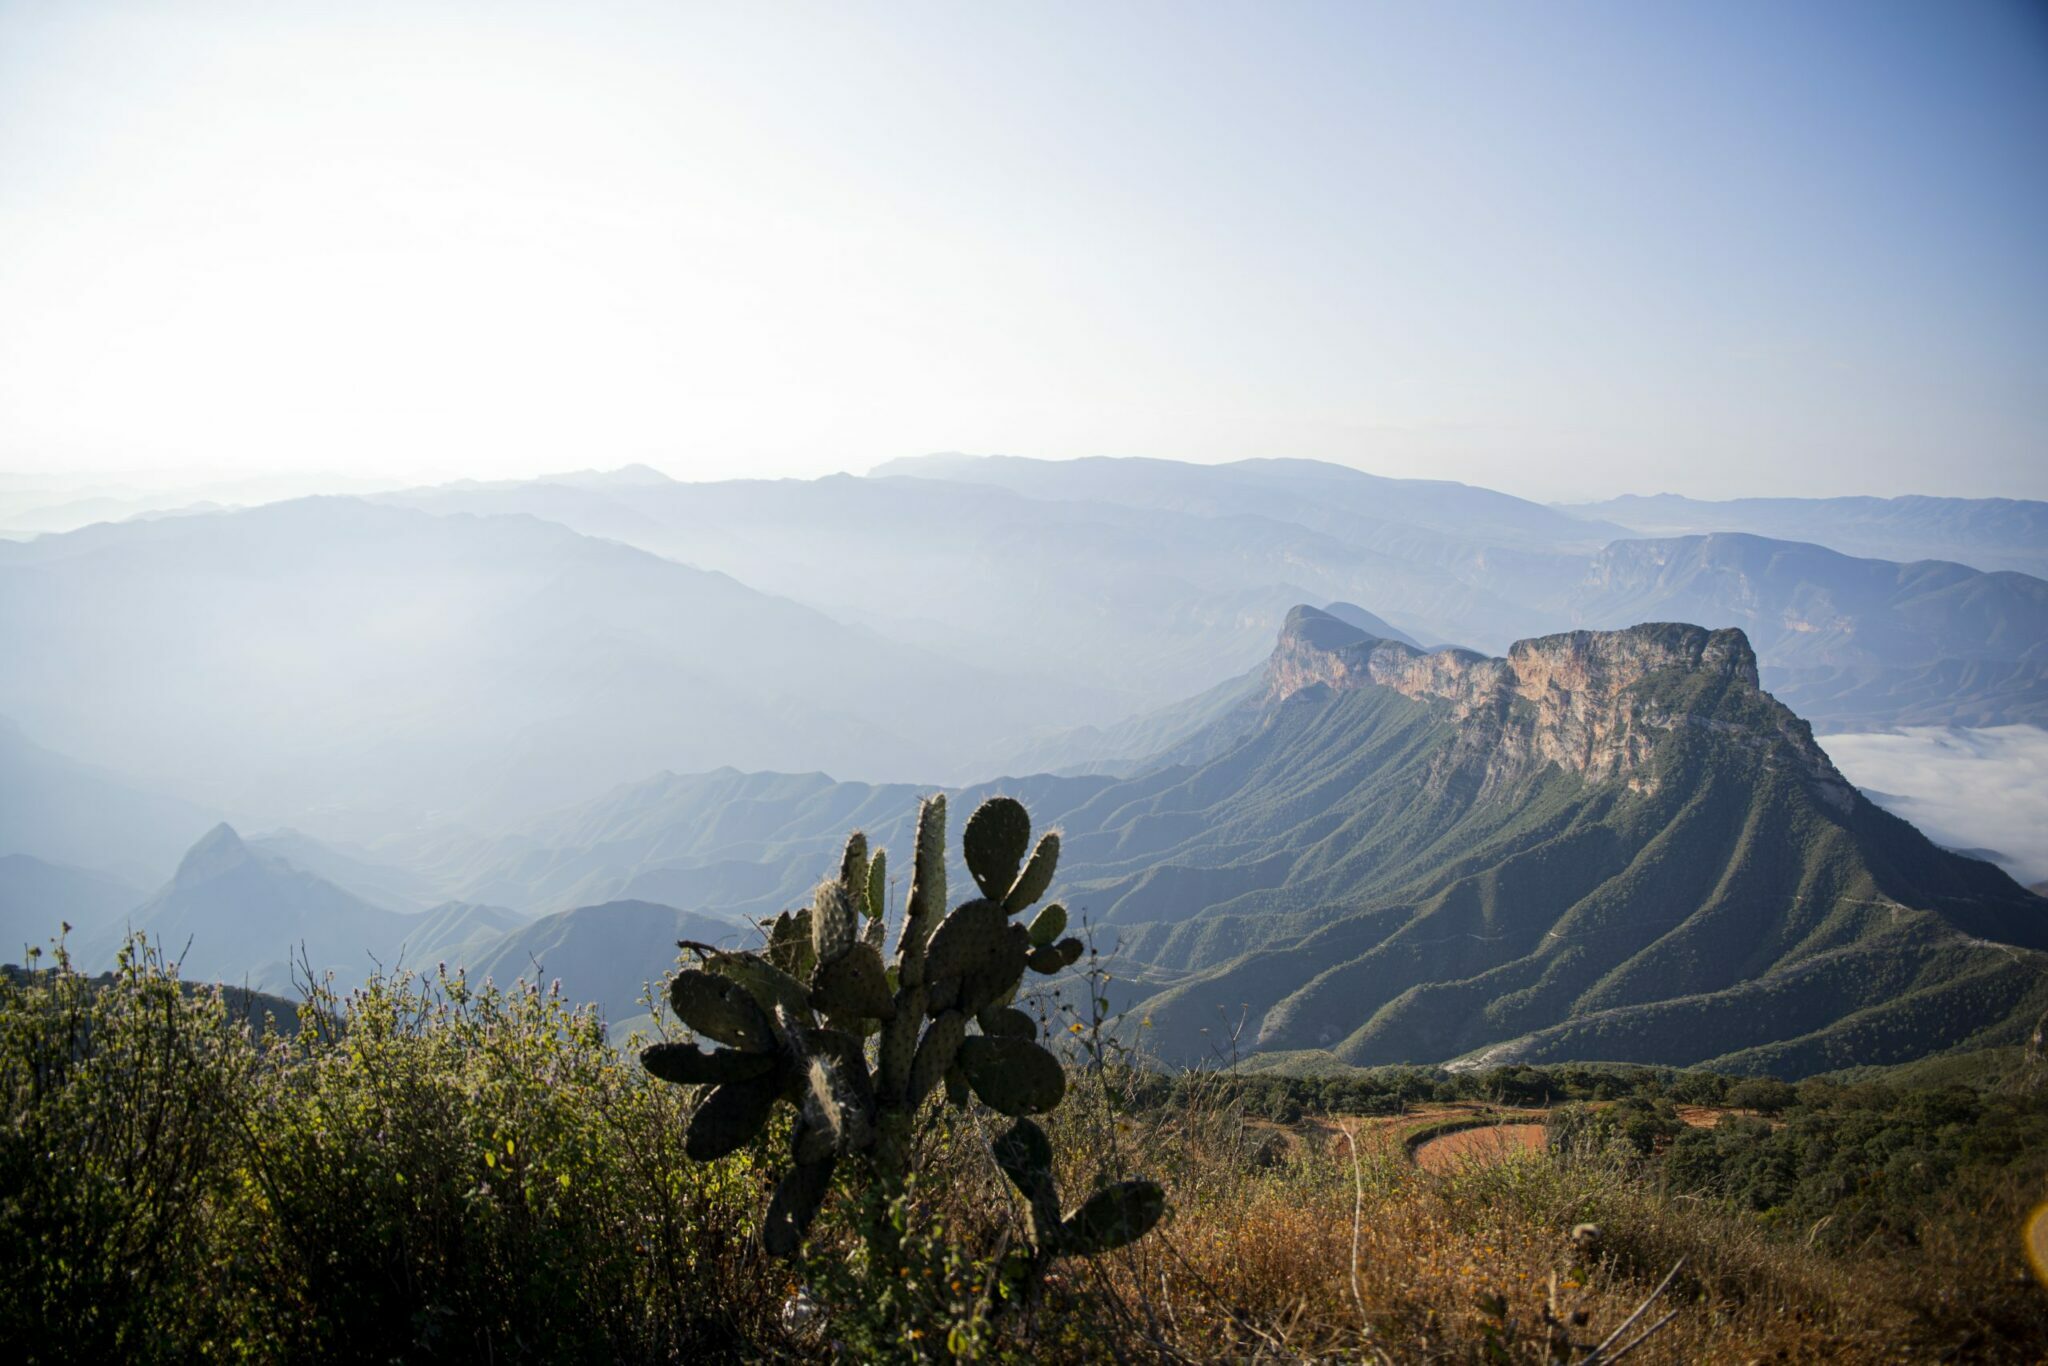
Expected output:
(1568, 250)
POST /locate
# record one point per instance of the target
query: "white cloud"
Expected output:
(1974, 789)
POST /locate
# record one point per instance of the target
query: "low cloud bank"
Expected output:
(1983, 789)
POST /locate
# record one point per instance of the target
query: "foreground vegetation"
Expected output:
(430, 1170)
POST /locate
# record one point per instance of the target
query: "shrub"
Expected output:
(422, 1168)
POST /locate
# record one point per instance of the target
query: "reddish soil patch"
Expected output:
(1494, 1143)
(1384, 1131)
(1707, 1116)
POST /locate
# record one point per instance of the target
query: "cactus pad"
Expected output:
(773, 990)
(1048, 925)
(1025, 1155)
(853, 985)
(941, 1045)
(1037, 874)
(997, 835)
(1112, 1217)
(927, 900)
(832, 1119)
(1054, 958)
(719, 1009)
(798, 1197)
(853, 867)
(832, 922)
(789, 943)
(1013, 1076)
(899, 1043)
(876, 904)
(732, 1116)
(970, 938)
(995, 981)
(685, 1064)
(1007, 1022)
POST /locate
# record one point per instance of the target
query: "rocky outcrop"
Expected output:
(1591, 702)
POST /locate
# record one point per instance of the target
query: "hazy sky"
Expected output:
(1558, 248)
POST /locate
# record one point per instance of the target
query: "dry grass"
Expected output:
(488, 1167)
(1474, 1262)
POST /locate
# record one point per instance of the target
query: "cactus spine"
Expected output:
(792, 1017)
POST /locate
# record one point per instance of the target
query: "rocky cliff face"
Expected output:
(1592, 702)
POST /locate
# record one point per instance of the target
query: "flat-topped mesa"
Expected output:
(1573, 699)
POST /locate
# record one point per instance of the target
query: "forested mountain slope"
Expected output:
(1605, 845)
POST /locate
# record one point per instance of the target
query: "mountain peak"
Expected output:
(1314, 629)
(217, 851)
(1592, 702)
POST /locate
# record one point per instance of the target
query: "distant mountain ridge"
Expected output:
(345, 662)
(1571, 700)
(1850, 642)
(231, 914)
(62, 811)
(1152, 581)
(37, 898)
(604, 955)
(1987, 533)
(1181, 732)
(235, 914)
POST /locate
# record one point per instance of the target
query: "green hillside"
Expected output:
(1609, 845)
(1722, 899)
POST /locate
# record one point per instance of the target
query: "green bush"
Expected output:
(124, 1227)
(422, 1168)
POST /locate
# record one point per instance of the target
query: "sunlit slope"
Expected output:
(1605, 845)
(1722, 893)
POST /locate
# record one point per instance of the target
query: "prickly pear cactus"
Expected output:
(854, 1042)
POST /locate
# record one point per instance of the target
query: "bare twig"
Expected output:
(1600, 1355)
(1357, 1227)
(1640, 1338)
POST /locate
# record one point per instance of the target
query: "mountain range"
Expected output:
(369, 666)
(547, 728)
(1851, 643)
(1607, 845)
(236, 912)
(1150, 581)
(74, 814)
(1989, 533)
(479, 654)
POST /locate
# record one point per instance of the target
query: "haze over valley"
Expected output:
(554, 725)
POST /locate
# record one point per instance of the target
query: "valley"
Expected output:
(1608, 846)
